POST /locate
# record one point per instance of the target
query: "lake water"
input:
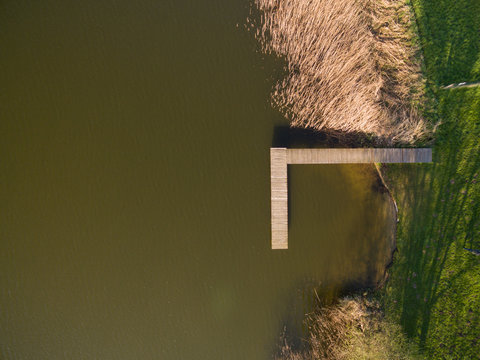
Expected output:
(135, 188)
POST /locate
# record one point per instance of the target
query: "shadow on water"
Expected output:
(292, 137)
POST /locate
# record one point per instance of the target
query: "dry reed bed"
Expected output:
(350, 66)
(354, 328)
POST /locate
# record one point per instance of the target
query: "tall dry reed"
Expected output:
(354, 328)
(351, 66)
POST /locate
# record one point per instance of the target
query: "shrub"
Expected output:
(354, 328)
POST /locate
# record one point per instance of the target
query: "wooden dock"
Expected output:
(279, 195)
(281, 157)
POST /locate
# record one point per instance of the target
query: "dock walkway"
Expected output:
(281, 157)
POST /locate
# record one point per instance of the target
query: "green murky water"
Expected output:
(134, 188)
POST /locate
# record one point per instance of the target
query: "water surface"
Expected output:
(135, 193)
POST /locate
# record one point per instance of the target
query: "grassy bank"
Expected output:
(434, 289)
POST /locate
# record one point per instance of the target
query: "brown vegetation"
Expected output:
(354, 328)
(351, 66)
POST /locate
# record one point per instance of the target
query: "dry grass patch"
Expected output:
(351, 66)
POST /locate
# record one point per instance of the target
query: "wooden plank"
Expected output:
(417, 156)
(279, 197)
(353, 156)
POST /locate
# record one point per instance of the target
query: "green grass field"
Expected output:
(434, 288)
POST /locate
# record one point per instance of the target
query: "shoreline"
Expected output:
(393, 246)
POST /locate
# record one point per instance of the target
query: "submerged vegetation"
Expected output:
(354, 328)
(352, 66)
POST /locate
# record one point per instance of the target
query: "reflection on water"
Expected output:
(135, 188)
